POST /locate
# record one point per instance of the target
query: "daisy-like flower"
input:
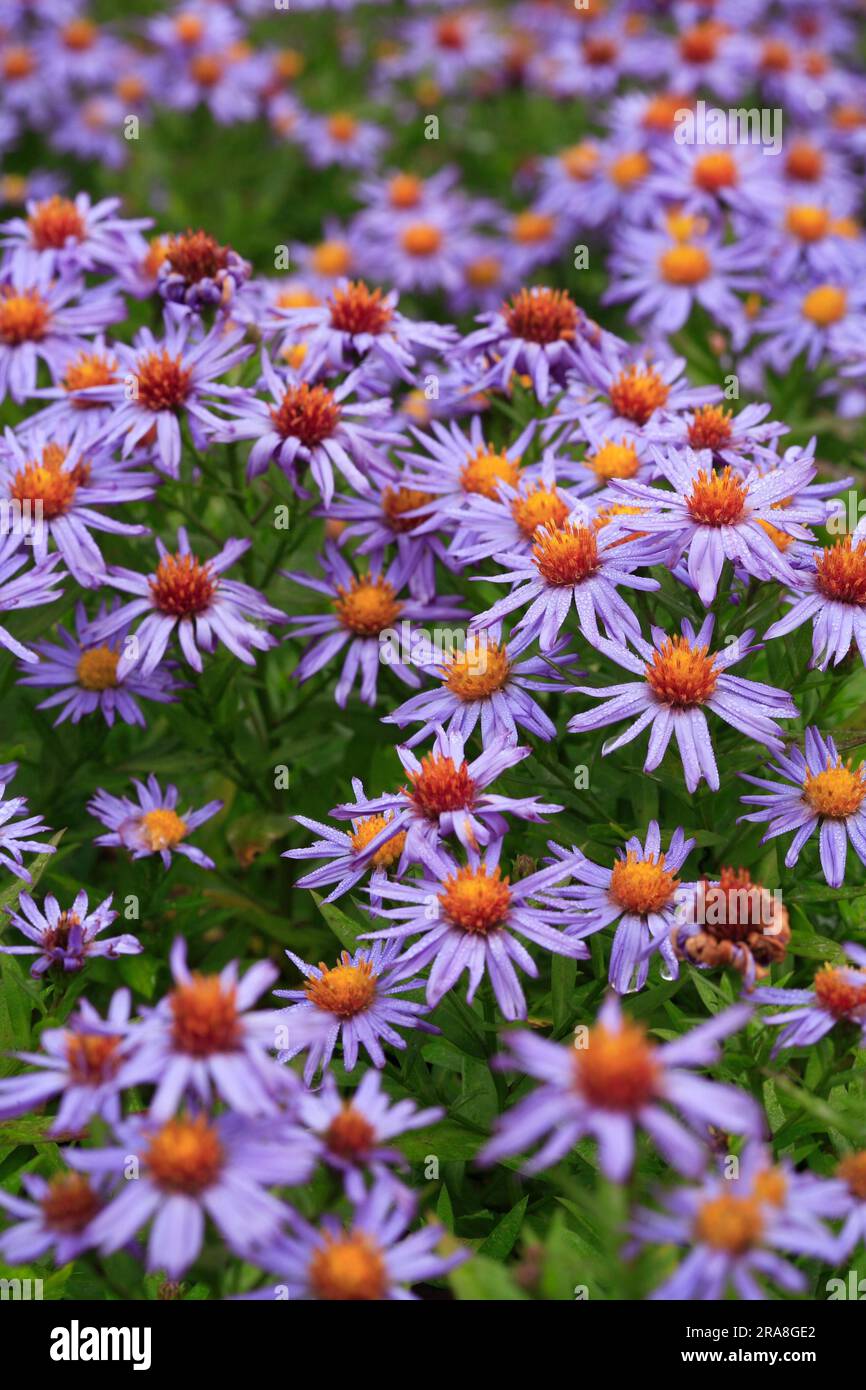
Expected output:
(368, 615)
(830, 590)
(313, 425)
(732, 439)
(151, 825)
(205, 1037)
(446, 795)
(634, 394)
(341, 139)
(456, 468)
(67, 938)
(55, 1215)
(349, 856)
(191, 598)
(511, 518)
(16, 836)
(42, 316)
(75, 233)
(388, 516)
(355, 1134)
(357, 999)
(93, 365)
(808, 318)
(468, 917)
(485, 681)
(838, 995)
(679, 678)
(722, 515)
(819, 790)
(733, 1230)
(614, 1080)
(369, 1260)
(190, 1167)
(30, 589)
(64, 484)
(88, 1063)
(86, 673)
(197, 271)
(572, 564)
(642, 894)
(163, 380)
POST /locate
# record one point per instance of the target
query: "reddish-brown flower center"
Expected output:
(70, 1203)
(196, 256)
(350, 1134)
(163, 382)
(54, 222)
(804, 162)
(717, 499)
(357, 309)
(710, 428)
(368, 606)
(729, 1223)
(840, 572)
(182, 586)
(715, 171)
(852, 1170)
(308, 413)
(92, 1057)
(396, 502)
(185, 1156)
(566, 554)
(541, 315)
(205, 1016)
(17, 62)
(637, 393)
(441, 786)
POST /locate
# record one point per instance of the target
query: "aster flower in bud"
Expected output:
(355, 1135)
(189, 1168)
(67, 938)
(205, 1037)
(837, 996)
(191, 598)
(54, 1216)
(152, 825)
(18, 836)
(371, 1259)
(357, 999)
(614, 1081)
(679, 679)
(819, 790)
(75, 233)
(468, 917)
(351, 855)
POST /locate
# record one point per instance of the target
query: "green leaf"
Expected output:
(345, 930)
(500, 1243)
(484, 1280)
(447, 1141)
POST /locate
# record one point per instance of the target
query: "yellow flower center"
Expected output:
(530, 227)
(807, 222)
(684, 264)
(629, 168)
(837, 791)
(478, 671)
(642, 885)
(368, 606)
(580, 161)
(345, 990)
(97, 669)
(730, 1223)
(825, 305)
(614, 460)
(46, 481)
(332, 258)
(476, 900)
(368, 829)
(24, 316)
(163, 828)
(486, 469)
(342, 127)
(681, 675)
(539, 506)
(421, 239)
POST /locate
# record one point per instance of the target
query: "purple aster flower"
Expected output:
(63, 483)
(16, 836)
(163, 380)
(88, 1063)
(635, 394)
(388, 516)
(204, 1036)
(42, 316)
(809, 318)
(357, 998)
(355, 1134)
(678, 679)
(369, 1260)
(75, 233)
(340, 139)
(613, 1080)
(830, 590)
(718, 516)
(733, 1230)
(54, 1216)
(348, 856)
(446, 795)
(838, 995)
(87, 675)
(818, 790)
(67, 938)
(191, 598)
(484, 680)
(152, 825)
(196, 271)
(313, 425)
(468, 918)
(190, 1167)
(642, 895)
(381, 628)
(732, 439)
(455, 469)
(848, 1194)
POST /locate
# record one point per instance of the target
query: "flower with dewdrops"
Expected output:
(152, 825)
(67, 938)
(349, 856)
(830, 591)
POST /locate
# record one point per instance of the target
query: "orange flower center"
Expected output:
(617, 1071)
(530, 227)
(566, 554)
(730, 1223)
(24, 316)
(54, 222)
(396, 502)
(69, 1203)
(825, 305)
(629, 168)
(614, 460)
(476, 900)
(841, 571)
(421, 239)
(841, 992)
(342, 127)
(541, 316)
(700, 43)
(97, 669)
(660, 113)
(308, 413)
(804, 162)
(710, 428)
(580, 161)
(162, 828)
(368, 606)
(450, 33)
(205, 1017)
(346, 990)
(357, 309)
(350, 1134)
(332, 258)
(189, 28)
(17, 63)
(404, 191)
(182, 586)
(715, 171)
(367, 830)
(206, 69)
(684, 264)
(636, 394)
(441, 786)
(539, 506)
(92, 1057)
(485, 470)
(348, 1269)
(46, 481)
(771, 1187)
(478, 671)
(807, 222)
(163, 381)
(776, 56)
(852, 1170)
(680, 674)
(185, 1156)
(717, 499)
(642, 885)
(89, 369)
(483, 272)
(837, 791)
(196, 256)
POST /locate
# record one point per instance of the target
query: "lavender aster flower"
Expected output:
(67, 938)
(838, 995)
(152, 826)
(54, 1216)
(348, 856)
(75, 233)
(16, 836)
(830, 589)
